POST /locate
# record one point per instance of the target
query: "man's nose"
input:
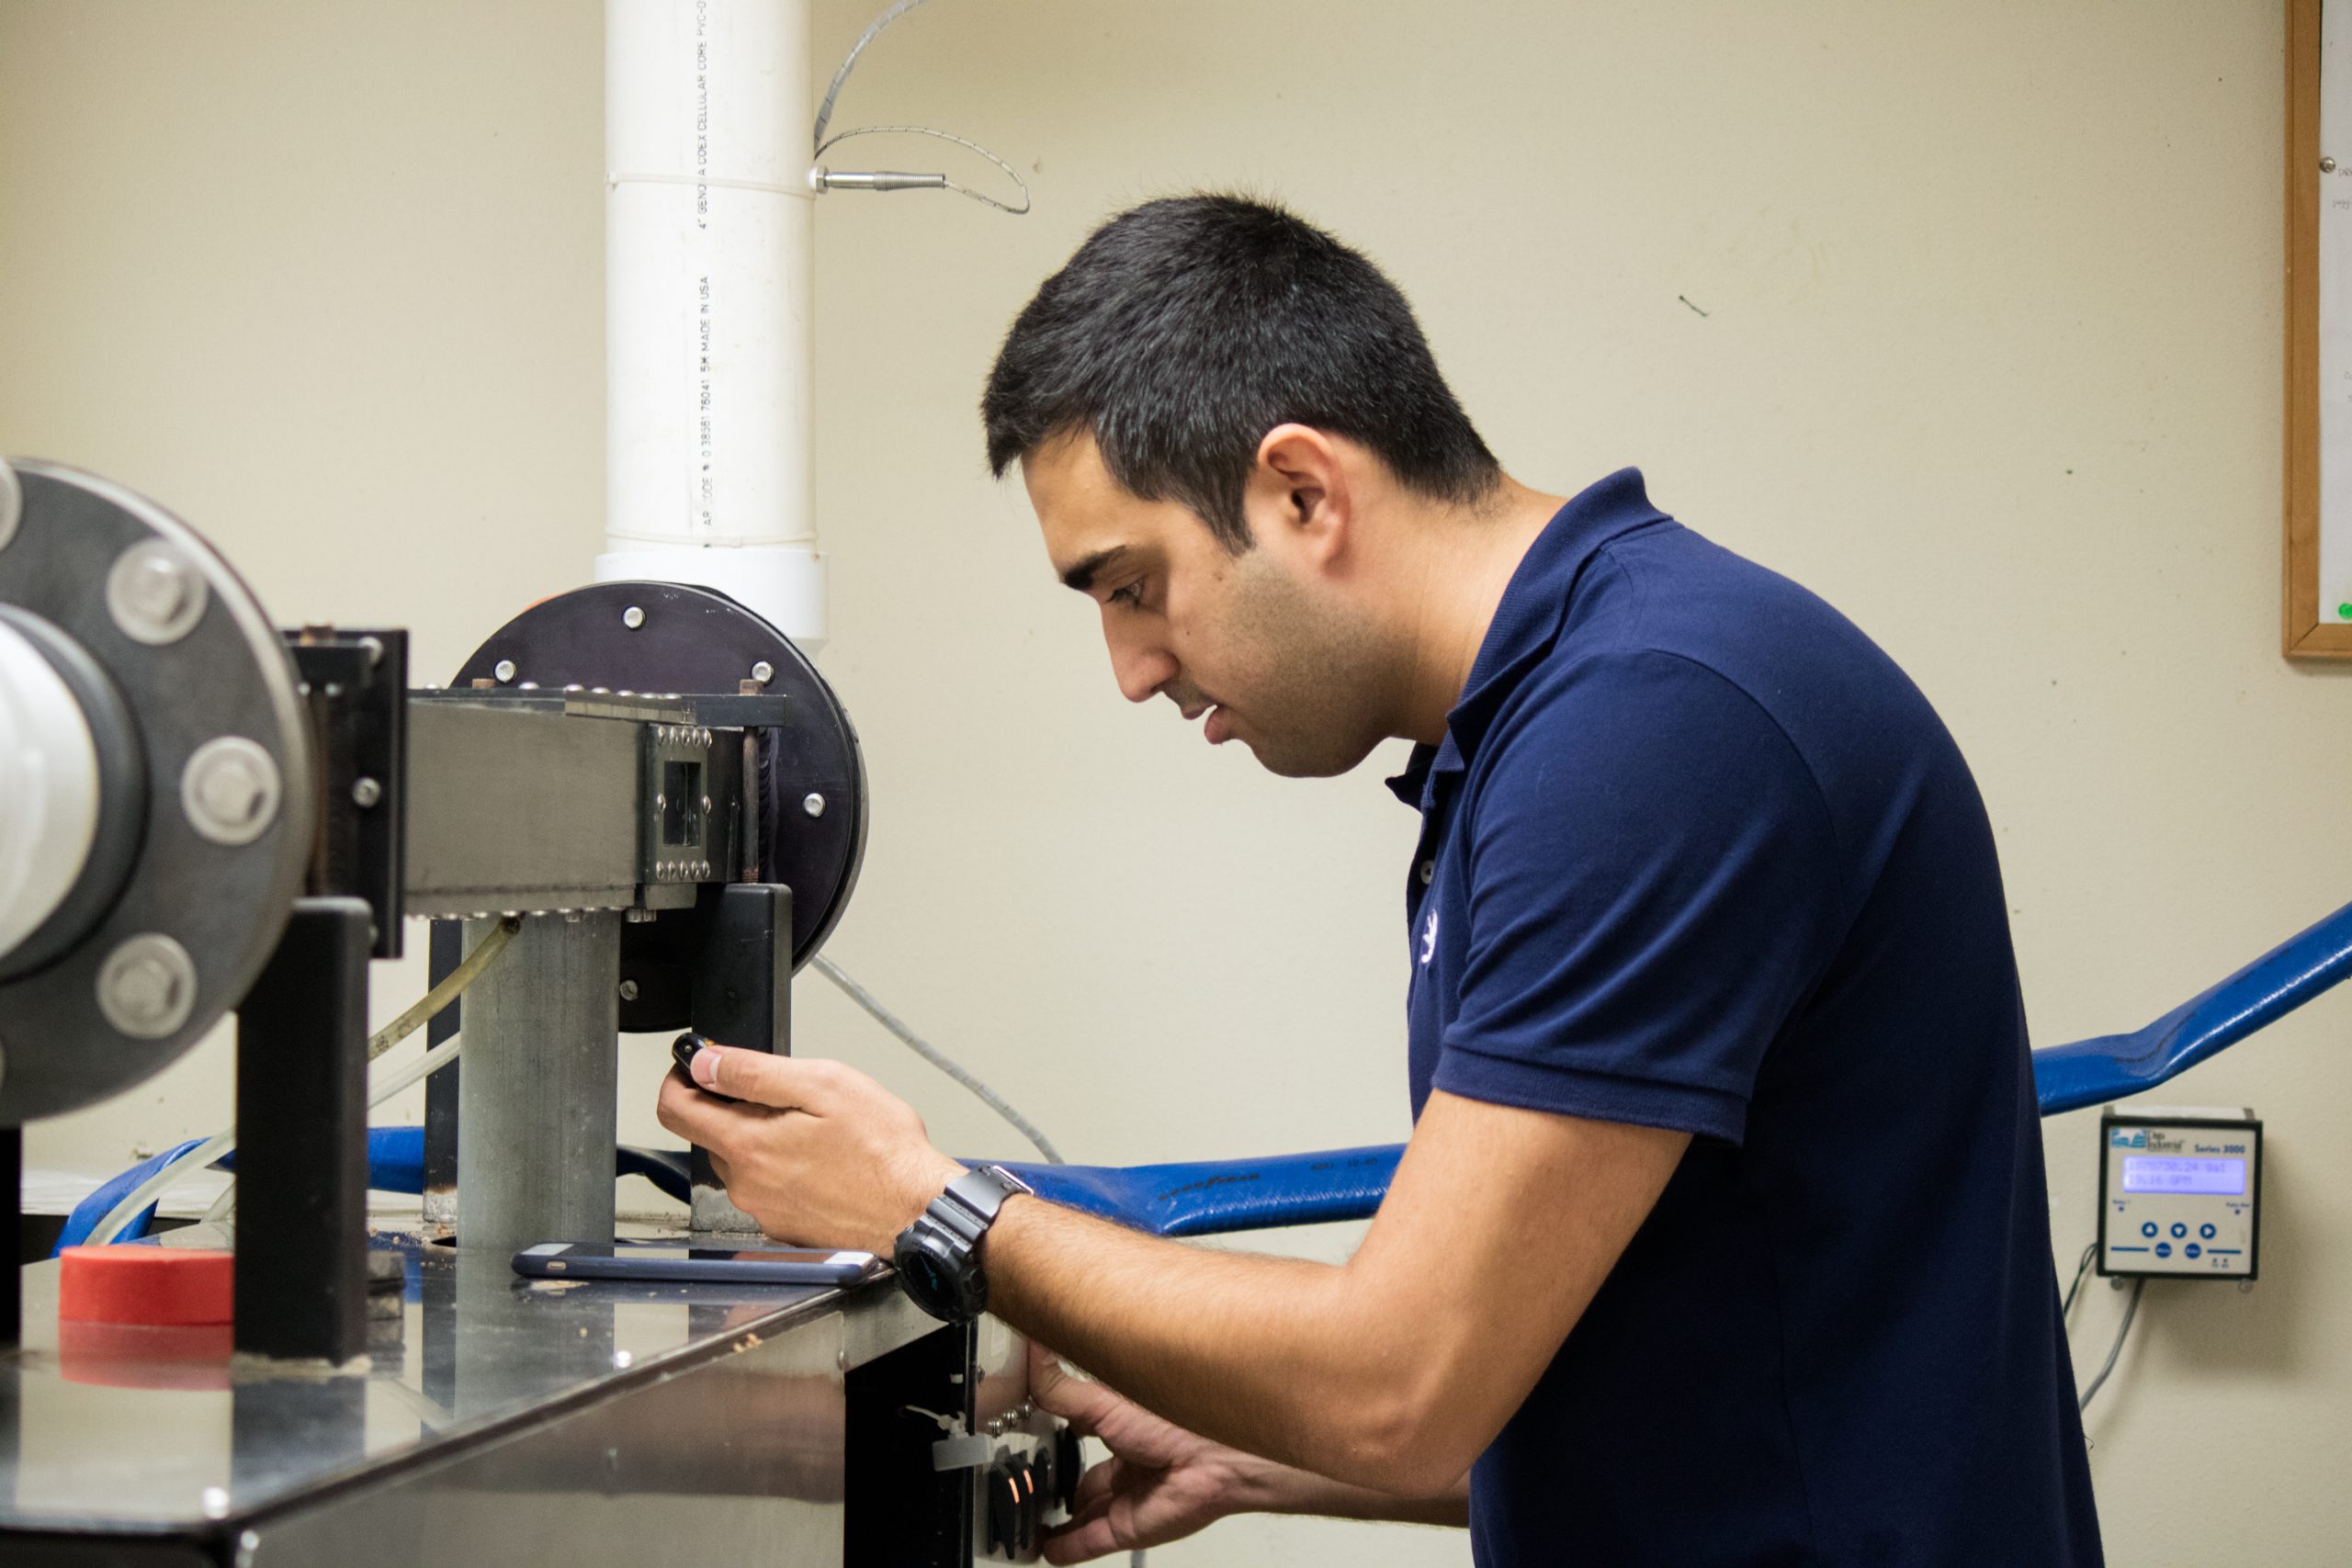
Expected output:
(1141, 667)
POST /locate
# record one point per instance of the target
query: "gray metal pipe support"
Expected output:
(537, 1116)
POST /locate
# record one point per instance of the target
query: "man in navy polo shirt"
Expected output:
(1722, 1236)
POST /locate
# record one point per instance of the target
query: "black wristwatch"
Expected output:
(938, 1255)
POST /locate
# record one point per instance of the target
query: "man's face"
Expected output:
(1259, 643)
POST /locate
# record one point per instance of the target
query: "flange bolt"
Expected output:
(155, 594)
(147, 987)
(230, 790)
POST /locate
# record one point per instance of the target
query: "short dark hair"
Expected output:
(1185, 329)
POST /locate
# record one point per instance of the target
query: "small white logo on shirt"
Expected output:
(1428, 938)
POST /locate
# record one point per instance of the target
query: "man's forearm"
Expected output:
(1272, 1488)
(1267, 1355)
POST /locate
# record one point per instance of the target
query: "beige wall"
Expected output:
(1989, 357)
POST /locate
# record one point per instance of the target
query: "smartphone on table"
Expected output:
(735, 1265)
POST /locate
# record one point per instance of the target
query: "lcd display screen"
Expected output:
(2172, 1173)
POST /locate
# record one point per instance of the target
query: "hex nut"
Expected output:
(147, 987)
(155, 594)
(230, 790)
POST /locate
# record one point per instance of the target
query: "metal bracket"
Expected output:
(741, 997)
(301, 1272)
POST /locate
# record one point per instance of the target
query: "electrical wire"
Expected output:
(2131, 1309)
(936, 1057)
(137, 1200)
(819, 141)
(2081, 1268)
(849, 63)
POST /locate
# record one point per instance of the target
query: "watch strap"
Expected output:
(970, 1203)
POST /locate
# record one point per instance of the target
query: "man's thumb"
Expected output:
(1061, 1390)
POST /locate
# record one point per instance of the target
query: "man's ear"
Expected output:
(1301, 482)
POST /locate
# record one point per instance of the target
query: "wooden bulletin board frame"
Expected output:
(2304, 636)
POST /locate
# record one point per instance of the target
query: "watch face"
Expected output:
(939, 1275)
(925, 1278)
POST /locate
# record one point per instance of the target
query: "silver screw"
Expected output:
(632, 617)
(147, 986)
(2327, 165)
(763, 672)
(373, 646)
(155, 594)
(813, 804)
(504, 670)
(628, 991)
(230, 790)
(365, 793)
(216, 1503)
(706, 804)
(621, 1359)
(12, 504)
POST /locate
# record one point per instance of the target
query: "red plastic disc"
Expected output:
(160, 1285)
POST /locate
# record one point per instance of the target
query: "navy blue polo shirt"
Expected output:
(1696, 854)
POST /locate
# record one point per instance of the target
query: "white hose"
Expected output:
(381, 1086)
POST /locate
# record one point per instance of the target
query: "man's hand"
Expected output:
(1161, 1484)
(817, 1152)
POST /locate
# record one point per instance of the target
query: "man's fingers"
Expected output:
(694, 1115)
(1095, 1487)
(1081, 1539)
(784, 1083)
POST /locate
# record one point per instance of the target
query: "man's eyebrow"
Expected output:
(1080, 576)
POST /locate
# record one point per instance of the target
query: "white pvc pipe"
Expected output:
(708, 259)
(48, 789)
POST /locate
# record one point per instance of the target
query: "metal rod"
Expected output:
(537, 1116)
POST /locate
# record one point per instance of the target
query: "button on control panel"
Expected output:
(2180, 1189)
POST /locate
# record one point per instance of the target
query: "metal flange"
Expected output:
(199, 879)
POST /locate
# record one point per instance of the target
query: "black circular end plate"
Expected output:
(696, 640)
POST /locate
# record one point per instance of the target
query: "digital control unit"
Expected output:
(2179, 1192)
